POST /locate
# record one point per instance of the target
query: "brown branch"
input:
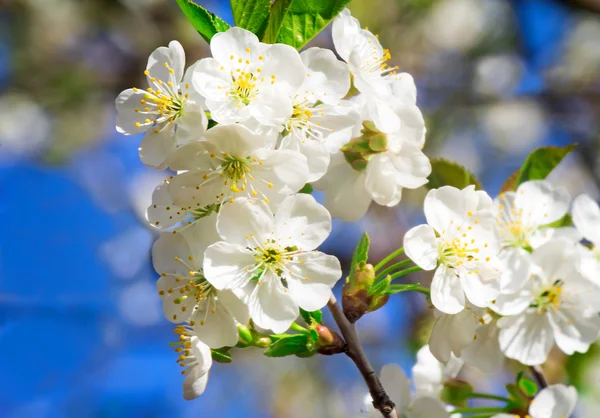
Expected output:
(539, 376)
(354, 350)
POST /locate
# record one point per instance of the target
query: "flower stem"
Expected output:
(539, 376)
(405, 272)
(421, 289)
(389, 258)
(488, 396)
(354, 350)
(391, 269)
(481, 410)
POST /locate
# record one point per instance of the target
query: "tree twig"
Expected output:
(539, 376)
(354, 350)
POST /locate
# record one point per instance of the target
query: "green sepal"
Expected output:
(309, 317)
(296, 344)
(456, 392)
(221, 355)
(307, 189)
(206, 23)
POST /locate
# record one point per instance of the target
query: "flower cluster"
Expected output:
(249, 131)
(238, 241)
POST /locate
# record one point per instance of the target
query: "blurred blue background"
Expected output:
(81, 330)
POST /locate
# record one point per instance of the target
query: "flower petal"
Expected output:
(304, 220)
(517, 267)
(328, 79)
(395, 381)
(586, 216)
(127, 102)
(527, 338)
(343, 30)
(554, 401)
(541, 202)
(310, 281)
(174, 56)
(428, 407)
(214, 325)
(271, 305)
(283, 62)
(481, 286)
(225, 265)
(447, 293)
(234, 42)
(244, 218)
(157, 146)
(420, 245)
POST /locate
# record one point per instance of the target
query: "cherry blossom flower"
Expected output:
(169, 111)
(554, 401)
(272, 258)
(196, 360)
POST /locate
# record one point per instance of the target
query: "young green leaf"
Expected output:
(289, 345)
(397, 288)
(309, 316)
(251, 14)
(380, 287)
(296, 22)
(206, 23)
(361, 253)
(541, 162)
(528, 387)
(448, 173)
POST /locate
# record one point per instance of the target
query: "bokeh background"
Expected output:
(81, 330)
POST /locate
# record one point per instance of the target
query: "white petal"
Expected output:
(235, 41)
(194, 384)
(191, 124)
(234, 303)
(428, 373)
(174, 56)
(235, 139)
(527, 337)
(397, 384)
(542, 203)
(283, 61)
(167, 248)
(412, 128)
(517, 265)
(451, 334)
(448, 204)
(552, 257)
(157, 147)
(286, 170)
(127, 102)
(271, 107)
(343, 31)
(211, 81)
(328, 79)
(447, 293)
(174, 309)
(238, 220)
(586, 216)
(200, 234)
(225, 265)
(554, 401)
(382, 114)
(193, 156)
(484, 352)
(420, 244)
(482, 286)
(304, 220)
(404, 89)
(214, 325)
(311, 281)
(271, 306)
(317, 155)
(514, 303)
(428, 407)
(162, 212)
(574, 330)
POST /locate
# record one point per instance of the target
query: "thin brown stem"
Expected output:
(354, 350)
(539, 376)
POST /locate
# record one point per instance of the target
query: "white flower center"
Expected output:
(457, 252)
(549, 298)
(246, 79)
(163, 102)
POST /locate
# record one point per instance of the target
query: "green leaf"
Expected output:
(528, 387)
(221, 356)
(309, 316)
(289, 345)
(541, 162)
(380, 287)
(448, 173)
(251, 14)
(206, 23)
(510, 184)
(296, 22)
(361, 253)
(308, 189)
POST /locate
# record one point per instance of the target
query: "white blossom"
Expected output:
(235, 162)
(429, 374)
(521, 216)
(461, 244)
(451, 334)
(318, 109)
(554, 401)
(557, 304)
(186, 294)
(196, 360)
(169, 111)
(248, 79)
(270, 256)
(586, 217)
(397, 386)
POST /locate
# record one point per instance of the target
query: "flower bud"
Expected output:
(456, 392)
(245, 334)
(355, 294)
(262, 342)
(359, 150)
(329, 341)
